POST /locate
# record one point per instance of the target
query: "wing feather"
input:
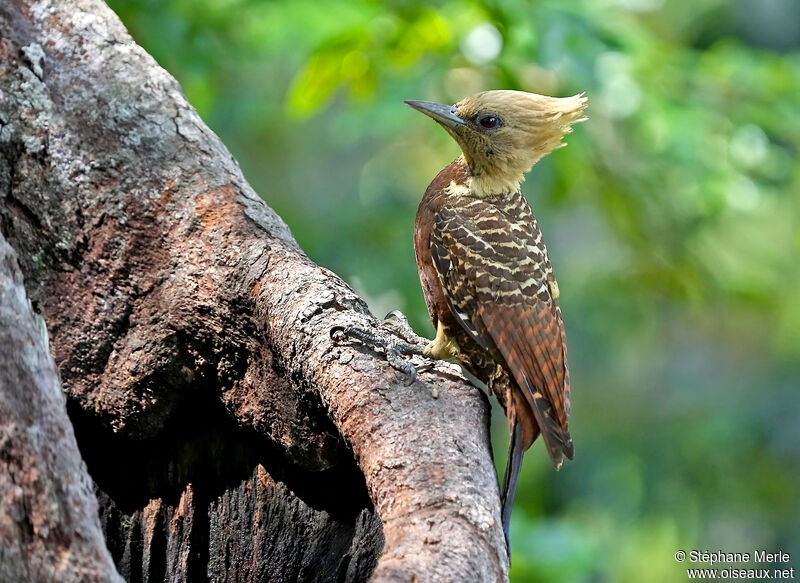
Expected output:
(495, 282)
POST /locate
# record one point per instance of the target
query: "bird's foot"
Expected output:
(397, 324)
(398, 346)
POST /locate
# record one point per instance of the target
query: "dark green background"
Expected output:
(672, 222)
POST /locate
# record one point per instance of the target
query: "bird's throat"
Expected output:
(490, 182)
(488, 186)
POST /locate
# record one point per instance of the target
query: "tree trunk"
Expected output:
(228, 437)
(48, 513)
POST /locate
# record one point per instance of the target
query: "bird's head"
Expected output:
(504, 133)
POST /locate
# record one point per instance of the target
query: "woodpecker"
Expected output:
(484, 269)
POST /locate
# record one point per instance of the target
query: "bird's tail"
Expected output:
(513, 467)
(556, 437)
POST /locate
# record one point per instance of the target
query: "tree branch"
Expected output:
(48, 513)
(166, 281)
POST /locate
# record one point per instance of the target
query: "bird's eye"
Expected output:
(488, 121)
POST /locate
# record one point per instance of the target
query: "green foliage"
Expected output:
(672, 220)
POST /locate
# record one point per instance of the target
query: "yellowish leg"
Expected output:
(443, 346)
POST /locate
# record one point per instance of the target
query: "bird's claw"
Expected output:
(397, 362)
(338, 333)
(397, 324)
(396, 350)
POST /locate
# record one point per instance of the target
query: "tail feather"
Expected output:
(513, 467)
(556, 437)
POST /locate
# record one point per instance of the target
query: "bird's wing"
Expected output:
(495, 279)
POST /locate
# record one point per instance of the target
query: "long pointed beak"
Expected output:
(444, 114)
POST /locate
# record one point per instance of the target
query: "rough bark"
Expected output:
(49, 529)
(228, 436)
